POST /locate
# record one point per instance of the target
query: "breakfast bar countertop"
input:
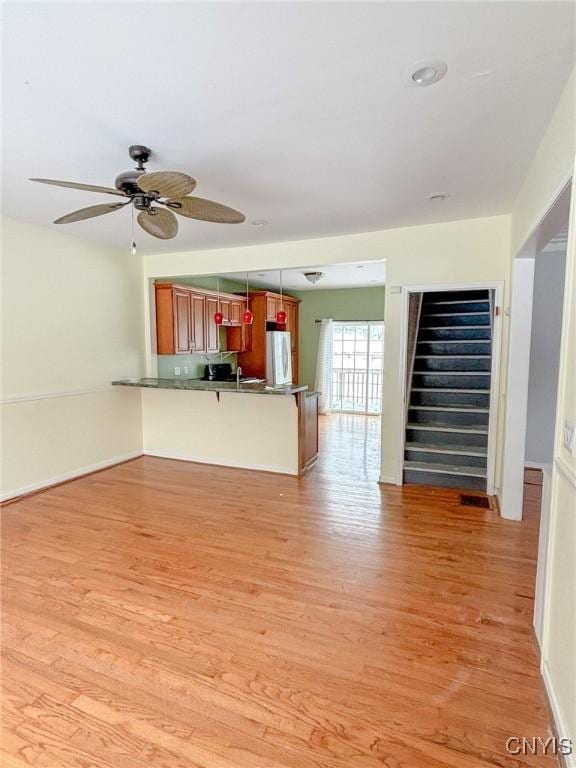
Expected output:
(255, 388)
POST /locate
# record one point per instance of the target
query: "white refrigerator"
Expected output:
(278, 358)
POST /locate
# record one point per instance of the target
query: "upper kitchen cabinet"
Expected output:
(198, 322)
(265, 305)
(272, 307)
(173, 320)
(212, 335)
(185, 320)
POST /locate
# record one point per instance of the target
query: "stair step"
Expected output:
(457, 301)
(456, 307)
(473, 357)
(455, 449)
(457, 314)
(448, 319)
(450, 408)
(451, 327)
(452, 373)
(443, 428)
(474, 294)
(444, 469)
(453, 341)
(448, 389)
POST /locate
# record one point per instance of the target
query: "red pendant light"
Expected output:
(247, 317)
(218, 316)
(281, 315)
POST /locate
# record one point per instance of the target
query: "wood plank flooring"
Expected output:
(175, 615)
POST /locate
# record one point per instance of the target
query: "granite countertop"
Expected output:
(199, 385)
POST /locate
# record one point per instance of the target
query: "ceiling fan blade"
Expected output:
(90, 212)
(205, 210)
(162, 224)
(167, 183)
(85, 187)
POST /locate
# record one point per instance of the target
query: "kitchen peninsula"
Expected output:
(242, 424)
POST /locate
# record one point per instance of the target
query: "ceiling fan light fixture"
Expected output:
(144, 192)
(313, 277)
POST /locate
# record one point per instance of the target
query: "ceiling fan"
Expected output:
(146, 191)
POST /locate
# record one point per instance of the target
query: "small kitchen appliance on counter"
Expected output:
(218, 372)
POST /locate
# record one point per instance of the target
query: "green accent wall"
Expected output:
(340, 304)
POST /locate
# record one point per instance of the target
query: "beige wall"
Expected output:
(472, 250)
(559, 646)
(553, 164)
(71, 322)
(239, 430)
(549, 171)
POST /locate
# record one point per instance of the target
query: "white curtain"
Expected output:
(323, 383)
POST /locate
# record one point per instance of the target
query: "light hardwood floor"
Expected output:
(174, 615)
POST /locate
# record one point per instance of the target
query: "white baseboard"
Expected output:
(234, 464)
(559, 720)
(50, 481)
(386, 480)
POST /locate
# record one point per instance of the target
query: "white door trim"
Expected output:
(498, 288)
(512, 490)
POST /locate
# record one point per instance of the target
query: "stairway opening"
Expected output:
(449, 383)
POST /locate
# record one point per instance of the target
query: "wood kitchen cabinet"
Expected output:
(291, 309)
(185, 320)
(212, 334)
(264, 306)
(272, 307)
(307, 430)
(198, 322)
(236, 311)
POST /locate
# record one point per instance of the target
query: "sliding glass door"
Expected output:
(357, 363)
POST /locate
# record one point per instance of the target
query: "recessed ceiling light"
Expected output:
(439, 197)
(427, 73)
(360, 266)
(259, 223)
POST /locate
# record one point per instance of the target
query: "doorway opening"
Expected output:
(451, 346)
(538, 285)
(357, 366)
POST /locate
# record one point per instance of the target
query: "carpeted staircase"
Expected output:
(447, 424)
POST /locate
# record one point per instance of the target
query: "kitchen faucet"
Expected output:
(238, 374)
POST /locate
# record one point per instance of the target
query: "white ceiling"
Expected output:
(296, 113)
(357, 275)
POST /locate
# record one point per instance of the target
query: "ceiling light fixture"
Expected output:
(218, 315)
(313, 277)
(281, 314)
(427, 73)
(247, 317)
(439, 198)
(259, 223)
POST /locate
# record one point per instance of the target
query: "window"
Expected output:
(357, 362)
